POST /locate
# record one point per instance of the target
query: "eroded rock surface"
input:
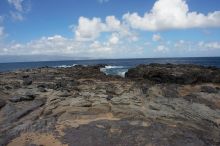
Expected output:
(159, 105)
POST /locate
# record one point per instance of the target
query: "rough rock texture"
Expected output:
(155, 105)
(179, 74)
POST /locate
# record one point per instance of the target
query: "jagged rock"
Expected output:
(28, 97)
(21, 113)
(109, 97)
(208, 89)
(148, 107)
(27, 82)
(2, 103)
(64, 94)
(170, 73)
(42, 89)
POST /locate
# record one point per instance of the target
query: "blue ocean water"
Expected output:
(115, 66)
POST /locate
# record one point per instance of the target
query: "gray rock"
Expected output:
(64, 94)
(27, 82)
(2, 103)
(208, 89)
(27, 97)
(41, 89)
(26, 110)
(109, 97)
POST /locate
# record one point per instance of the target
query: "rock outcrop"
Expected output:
(178, 74)
(175, 105)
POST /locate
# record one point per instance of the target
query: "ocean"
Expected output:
(114, 66)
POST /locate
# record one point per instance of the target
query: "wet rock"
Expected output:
(208, 89)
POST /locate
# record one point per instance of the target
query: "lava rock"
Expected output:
(28, 97)
(2, 103)
(27, 82)
(109, 97)
(208, 89)
(179, 74)
(41, 89)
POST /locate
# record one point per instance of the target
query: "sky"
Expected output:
(110, 28)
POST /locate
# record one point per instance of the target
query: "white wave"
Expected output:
(111, 67)
(65, 66)
(121, 73)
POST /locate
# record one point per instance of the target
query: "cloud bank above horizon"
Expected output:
(130, 36)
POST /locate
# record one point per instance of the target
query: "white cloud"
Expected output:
(180, 44)
(17, 4)
(161, 48)
(113, 40)
(90, 29)
(175, 14)
(209, 45)
(59, 45)
(156, 37)
(113, 24)
(21, 7)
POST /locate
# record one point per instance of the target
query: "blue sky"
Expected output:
(110, 28)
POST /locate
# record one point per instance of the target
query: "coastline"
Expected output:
(153, 105)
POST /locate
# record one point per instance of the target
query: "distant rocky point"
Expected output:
(156, 104)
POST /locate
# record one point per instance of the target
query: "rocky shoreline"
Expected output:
(154, 105)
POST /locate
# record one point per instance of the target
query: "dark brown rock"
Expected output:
(2, 103)
(179, 74)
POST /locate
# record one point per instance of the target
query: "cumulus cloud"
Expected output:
(113, 39)
(90, 29)
(161, 48)
(209, 45)
(156, 37)
(175, 14)
(59, 45)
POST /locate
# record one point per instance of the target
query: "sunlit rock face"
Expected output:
(153, 105)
